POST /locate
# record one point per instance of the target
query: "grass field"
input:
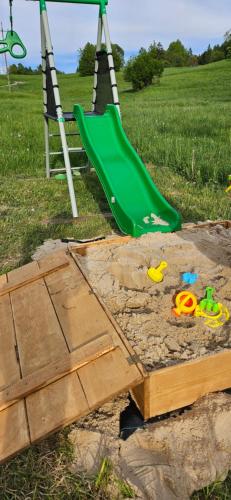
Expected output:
(182, 127)
(184, 123)
(182, 130)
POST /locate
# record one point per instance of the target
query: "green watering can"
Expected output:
(9, 43)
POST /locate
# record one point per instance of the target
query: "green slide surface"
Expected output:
(135, 201)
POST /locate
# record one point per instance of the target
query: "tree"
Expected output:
(226, 46)
(205, 57)
(142, 69)
(217, 54)
(13, 69)
(118, 56)
(87, 58)
(192, 58)
(157, 51)
(177, 54)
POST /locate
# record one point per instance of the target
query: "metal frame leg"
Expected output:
(98, 47)
(47, 147)
(111, 62)
(47, 45)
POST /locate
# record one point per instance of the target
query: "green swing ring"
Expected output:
(9, 43)
(12, 40)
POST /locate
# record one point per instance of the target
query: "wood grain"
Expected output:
(39, 336)
(54, 371)
(13, 421)
(181, 385)
(80, 315)
(18, 278)
(55, 406)
(14, 434)
(108, 376)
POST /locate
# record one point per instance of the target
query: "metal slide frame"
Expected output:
(47, 50)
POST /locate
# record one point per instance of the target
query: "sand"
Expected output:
(143, 309)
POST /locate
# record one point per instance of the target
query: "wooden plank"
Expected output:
(81, 317)
(9, 367)
(181, 385)
(3, 279)
(58, 259)
(39, 336)
(141, 396)
(14, 434)
(30, 273)
(225, 223)
(23, 273)
(107, 377)
(55, 406)
(83, 247)
(124, 343)
(54, 371)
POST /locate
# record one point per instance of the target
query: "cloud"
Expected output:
(133, 23)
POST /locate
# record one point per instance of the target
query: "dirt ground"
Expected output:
(143, 308)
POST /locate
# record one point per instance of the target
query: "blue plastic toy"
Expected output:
(190, 278)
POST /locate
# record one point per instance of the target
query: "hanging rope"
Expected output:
(11, 17)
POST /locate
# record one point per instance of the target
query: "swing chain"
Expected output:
(11, 16)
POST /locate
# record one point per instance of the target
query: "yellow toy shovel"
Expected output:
(155, 273)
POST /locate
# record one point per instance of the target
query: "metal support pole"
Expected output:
(6, 64)
(98, 47)
(46, 121)
(111, 62)
(49, 49)
(47, 147)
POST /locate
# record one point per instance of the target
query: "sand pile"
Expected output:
(143, 308)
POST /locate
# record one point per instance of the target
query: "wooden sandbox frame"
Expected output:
(167, 389)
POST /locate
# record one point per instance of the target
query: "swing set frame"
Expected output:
(48, 56)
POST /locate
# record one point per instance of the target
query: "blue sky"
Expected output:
(133, 23)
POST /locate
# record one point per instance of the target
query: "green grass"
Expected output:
(220, 490)
(182, 126)
(184, 123)
(187, 122)
(43, 472)
(182, 129)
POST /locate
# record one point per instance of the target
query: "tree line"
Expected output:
(217, 52)
(20, 69)
(148, 65)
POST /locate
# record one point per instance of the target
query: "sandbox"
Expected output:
(182, 357)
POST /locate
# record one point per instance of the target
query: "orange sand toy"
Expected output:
(186, 303)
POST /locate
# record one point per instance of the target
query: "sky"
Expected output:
(133, 24)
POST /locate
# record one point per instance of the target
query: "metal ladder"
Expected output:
(51, 153)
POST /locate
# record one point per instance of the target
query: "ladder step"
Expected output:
(64, 170)
(67, 133)
(80, 150)
(71, 150)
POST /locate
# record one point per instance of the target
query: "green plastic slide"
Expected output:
(135, 202)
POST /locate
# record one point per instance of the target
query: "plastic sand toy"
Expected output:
(186, 303)
(208, 303)
(214, 320)
(155, 273)
(190, 278)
